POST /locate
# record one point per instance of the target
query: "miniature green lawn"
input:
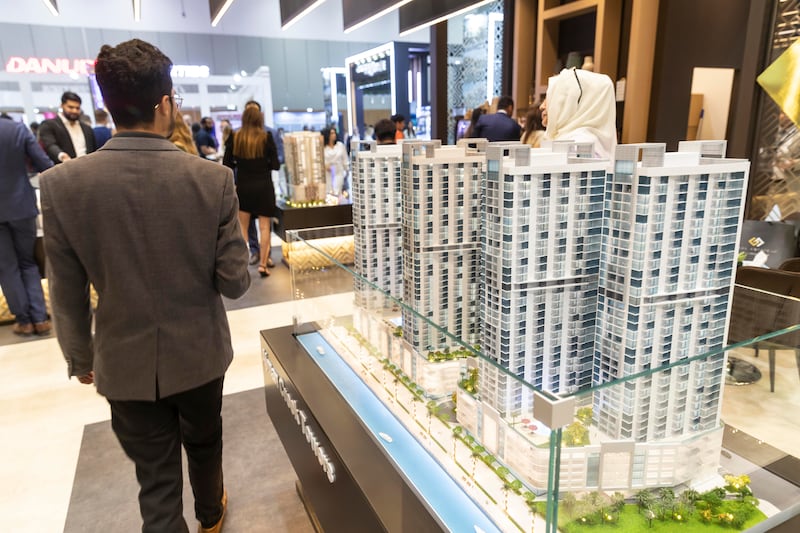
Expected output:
(631, 520)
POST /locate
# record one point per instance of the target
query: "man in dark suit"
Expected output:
(499, 126)
(66, 137)
(19, 273)
(169, 246)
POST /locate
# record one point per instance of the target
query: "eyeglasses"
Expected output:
(178, 99)
(580, 95)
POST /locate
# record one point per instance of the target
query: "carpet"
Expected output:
(258, 476)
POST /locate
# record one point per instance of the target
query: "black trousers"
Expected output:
(151, 434)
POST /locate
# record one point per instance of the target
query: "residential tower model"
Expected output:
(572, 273)
(376, 222)
(441, 243)
(305, 166)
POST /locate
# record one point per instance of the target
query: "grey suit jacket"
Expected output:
(155, 230)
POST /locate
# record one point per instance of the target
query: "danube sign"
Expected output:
(190, 71)
(46, 65)
(63, 65)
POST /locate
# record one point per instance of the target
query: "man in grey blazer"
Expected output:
(156, 231)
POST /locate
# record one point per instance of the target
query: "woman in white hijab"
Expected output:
(580, 106)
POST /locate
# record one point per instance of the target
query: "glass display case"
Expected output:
(687, 437)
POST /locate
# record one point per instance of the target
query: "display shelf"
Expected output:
(549, 40)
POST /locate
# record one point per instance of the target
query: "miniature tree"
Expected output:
(645, 499)
(738, 485)
(618, 501)
(584, 415)
(576, 434)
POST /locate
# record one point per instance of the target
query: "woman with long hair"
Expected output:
(335, 161)
(473, 120)
(534, 129)
(254, 157)
(182, 135)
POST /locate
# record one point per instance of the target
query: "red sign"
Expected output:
(45, 65)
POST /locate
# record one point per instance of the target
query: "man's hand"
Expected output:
(88, 379)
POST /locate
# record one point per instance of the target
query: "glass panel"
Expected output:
(652, 445)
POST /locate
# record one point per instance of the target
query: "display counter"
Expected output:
(345, 372)
(359, 468)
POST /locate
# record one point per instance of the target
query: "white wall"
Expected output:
(715, 84)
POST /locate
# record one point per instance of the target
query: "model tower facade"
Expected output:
(542, 228)
(305, 166)
(441, 233)
(376, 222)
(666, 279)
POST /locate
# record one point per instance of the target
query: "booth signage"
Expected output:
(371, 68)
(301, 419)
(63, 65)
(190, 71)
(46, 65)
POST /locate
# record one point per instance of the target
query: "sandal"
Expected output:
(270, 264)
(263, 272)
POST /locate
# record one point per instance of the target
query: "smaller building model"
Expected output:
(305, 167)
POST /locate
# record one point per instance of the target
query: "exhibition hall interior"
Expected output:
(513, 265)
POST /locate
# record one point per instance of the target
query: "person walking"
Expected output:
(19, 273)
(169, 246)
(255, 156)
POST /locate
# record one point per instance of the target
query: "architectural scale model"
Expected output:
(305, 167)
(376, 222)
(441, 243)
(580, 272)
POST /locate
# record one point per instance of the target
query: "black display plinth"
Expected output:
(368, 494)
(312, 217)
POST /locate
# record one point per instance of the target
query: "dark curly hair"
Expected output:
(133, 77)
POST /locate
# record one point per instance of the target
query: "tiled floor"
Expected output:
(43, 414)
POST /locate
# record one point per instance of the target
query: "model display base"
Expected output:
(312, 217)
(360, 468)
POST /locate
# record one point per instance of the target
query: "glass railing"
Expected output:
(573, 441)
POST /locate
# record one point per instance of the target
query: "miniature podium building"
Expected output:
(376, 222)
(305, 167)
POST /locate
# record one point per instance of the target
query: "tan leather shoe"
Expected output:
(23, 330)
(216, 528)
(43, 328)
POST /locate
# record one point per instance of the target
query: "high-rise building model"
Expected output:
(666, 279)
(441, 234)
(572, 272)
(542, 222)
(305, 166)
(376, 222)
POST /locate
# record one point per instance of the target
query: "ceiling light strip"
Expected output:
(221, 13)
(376, 16)
(289, 23)
(444, 17)
(51, 5)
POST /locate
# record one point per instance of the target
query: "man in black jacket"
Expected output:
(66, 137)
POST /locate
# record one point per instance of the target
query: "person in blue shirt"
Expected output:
(205, 140)
(19, 273)
(102, 132)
